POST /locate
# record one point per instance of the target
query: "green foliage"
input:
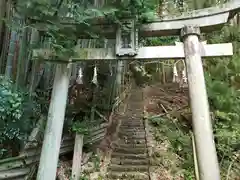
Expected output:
(158, 41)
(63, 32)
(83, 126)
(17, 114)
(84, 177)
(174, 132)
(222, 79)
(96, 160)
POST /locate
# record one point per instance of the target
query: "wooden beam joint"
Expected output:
(189, 30)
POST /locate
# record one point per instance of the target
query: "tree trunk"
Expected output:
(22, 56)
(2, 15)
(11, 52)
(5, 40)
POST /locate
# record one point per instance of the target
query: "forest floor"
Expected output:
(160, 99)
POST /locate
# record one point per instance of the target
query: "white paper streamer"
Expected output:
(80, 76)
(175, 73)
(110, 69)
(184, 75)
(94, 80)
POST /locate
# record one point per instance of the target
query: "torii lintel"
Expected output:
(144, 53)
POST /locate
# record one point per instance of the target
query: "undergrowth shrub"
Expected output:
(170, 129)
(17, 117)
(222, 80)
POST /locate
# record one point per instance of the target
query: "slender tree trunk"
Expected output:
(6, 37)
(238, 20)
(11, 52)
(2, 15)
(15, 60)
(35, 64)
(22, 57)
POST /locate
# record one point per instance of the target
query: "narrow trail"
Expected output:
(130, 159)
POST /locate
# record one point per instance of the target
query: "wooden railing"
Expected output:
(21, 166)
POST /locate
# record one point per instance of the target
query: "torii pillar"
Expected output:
(202, 127)
(53, 130)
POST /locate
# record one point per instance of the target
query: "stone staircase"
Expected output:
(129, 159)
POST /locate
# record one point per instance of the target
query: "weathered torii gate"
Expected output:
(192, 50)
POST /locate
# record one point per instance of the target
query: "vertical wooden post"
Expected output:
(53, 130)
(163, 73)
(119, 77)
(195, 157)
(77, 157)
(202, 127)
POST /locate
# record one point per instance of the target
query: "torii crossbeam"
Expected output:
(144, 53)
(189, 26)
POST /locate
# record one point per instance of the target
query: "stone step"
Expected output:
(127, 168)
(139, 125)
(136, 114)
(131, 122)
(129, 156)
(131, 128)
(133, 141)
(127, 175)
(121, 161)
(132, 133)
(129, 136)
(123, 145)
(136, 111)
(130, 150)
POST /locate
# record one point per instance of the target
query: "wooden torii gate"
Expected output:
(188, 27)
